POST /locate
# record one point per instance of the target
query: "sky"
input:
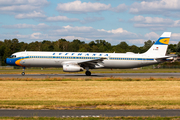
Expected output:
(132, 21)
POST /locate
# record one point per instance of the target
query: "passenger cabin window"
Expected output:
(13, 56)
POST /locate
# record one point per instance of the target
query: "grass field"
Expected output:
(60, 71)
(110, 93)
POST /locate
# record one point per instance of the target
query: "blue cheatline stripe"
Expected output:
(65, 57)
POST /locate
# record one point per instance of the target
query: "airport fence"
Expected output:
(168, 67)
(6, 67)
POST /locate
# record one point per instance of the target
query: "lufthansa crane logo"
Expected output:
(164, 40)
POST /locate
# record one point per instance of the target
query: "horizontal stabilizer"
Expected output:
(162, 57)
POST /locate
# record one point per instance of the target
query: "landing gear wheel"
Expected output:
(23, 73)
(88, 73)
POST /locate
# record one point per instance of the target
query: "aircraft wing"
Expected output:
(91, 61)
(94, 63)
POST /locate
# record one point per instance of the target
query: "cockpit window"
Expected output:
(13, 56)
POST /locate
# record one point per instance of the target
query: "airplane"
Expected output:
(79, 61)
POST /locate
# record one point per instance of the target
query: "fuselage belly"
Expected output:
(121, 64)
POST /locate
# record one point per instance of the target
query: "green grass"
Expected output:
(140, 104)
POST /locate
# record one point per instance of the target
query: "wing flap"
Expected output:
(95, 63)
(91, 61)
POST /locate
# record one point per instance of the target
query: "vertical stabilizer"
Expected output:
(159, 48)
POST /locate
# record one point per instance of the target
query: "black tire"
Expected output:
(23, 73)
(88, 73)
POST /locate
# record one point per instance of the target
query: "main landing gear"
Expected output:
(23, 73)
(88, 73)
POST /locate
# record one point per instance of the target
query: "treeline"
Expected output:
(7, 47)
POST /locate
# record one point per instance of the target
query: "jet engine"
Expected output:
(72, 68)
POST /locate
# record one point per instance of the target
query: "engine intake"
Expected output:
(72, 68)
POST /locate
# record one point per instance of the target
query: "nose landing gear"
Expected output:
(23, 73)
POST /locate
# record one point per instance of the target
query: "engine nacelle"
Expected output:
(72, 68)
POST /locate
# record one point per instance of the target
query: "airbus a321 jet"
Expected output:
(79, 61)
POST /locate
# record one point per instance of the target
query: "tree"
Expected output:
(47, 46)
(23, 46)
(172, 47)
(34, 46)
(123, 47)
(147, 45)
(2, 48)
(95, 48)
(15, 45)
(134, 49)
(75, 45)
(7, 53)
(178, 47)
(84, 48)
(103, 45)
(91, 44)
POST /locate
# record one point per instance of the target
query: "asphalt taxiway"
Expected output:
(88, 113)
(96, 75)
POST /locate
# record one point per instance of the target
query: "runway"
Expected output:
(97, 75)
(87, 113)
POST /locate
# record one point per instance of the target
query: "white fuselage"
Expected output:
(57, 59)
